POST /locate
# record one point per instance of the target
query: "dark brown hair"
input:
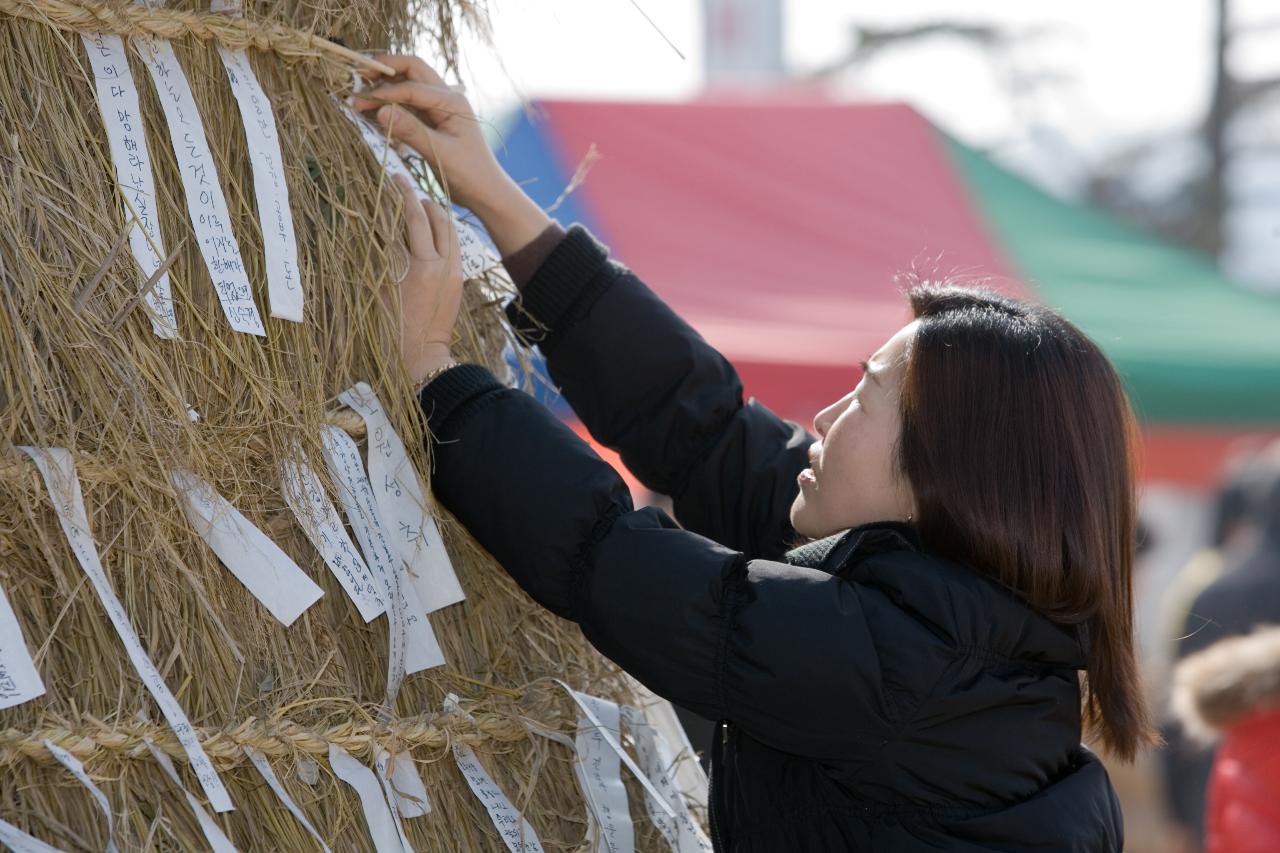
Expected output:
(1019, 444)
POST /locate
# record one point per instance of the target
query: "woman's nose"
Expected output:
(823, 420)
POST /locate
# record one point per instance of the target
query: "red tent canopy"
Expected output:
(693, 194)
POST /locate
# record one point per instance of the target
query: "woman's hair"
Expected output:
(1018, 441)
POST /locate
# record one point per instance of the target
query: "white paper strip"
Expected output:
(476, 256)
(404, 787)
(682, 833)
(259, 761)
(383, 776)
(602, 772)
(59, 473)
(257, 562)
(592, 835)
(515, 831)
(20, 842)
(122, 118)
(422, 650)
(206, 205)
(19, 679)
(587, 708)
(212, 832)
(76, 769)
(384, 829)
(305, 495)
(413, 530)
(284, 287)
(413, 643)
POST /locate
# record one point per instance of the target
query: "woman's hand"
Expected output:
(419, 109)
(431, 291)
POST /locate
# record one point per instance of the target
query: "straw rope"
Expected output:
(232, 32)
(276, 738)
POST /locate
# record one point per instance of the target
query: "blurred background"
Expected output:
(774, 169)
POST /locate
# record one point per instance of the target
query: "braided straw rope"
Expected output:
(235, 33)
(278, 738)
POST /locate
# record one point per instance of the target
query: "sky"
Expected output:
(1127, 71)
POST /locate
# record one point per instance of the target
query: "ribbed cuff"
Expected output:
(544, 308)
(455, 394)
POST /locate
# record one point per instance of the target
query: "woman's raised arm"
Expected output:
(641, 379)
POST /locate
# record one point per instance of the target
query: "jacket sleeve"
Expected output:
(648, 386)
(783, 651)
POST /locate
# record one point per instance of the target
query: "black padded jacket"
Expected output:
(872, 696)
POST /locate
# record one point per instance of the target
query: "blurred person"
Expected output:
(1246, 593)
(1232, 689)
(1236, 521)
(918, 674)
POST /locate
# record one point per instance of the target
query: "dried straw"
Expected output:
(118, 398)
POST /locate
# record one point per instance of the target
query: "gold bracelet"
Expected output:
(449, 365)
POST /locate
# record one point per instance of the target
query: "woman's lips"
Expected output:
(807, 477)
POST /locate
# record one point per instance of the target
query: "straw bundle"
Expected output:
(80, 368)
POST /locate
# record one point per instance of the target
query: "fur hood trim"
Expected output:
(1221, 685)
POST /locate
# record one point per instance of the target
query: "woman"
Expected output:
(907, 680)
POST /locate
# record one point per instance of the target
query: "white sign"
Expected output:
(682, 832)
(403, 505)
(284, 287)
(205, 203)
(413, 644)
(305, 495)
(384, 829)
(122, 117)
(476, 256)
(59, 473)
(602, 777)
(257, 562)
(404, 787)
(515, 831)
(19, 679)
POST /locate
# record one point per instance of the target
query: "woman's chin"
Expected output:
(801, 519)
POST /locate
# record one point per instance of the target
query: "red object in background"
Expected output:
(805, 292)
(1244, 791)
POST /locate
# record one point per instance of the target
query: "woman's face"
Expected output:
(854, 478)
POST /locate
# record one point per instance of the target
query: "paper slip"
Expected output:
(19, 679)
(413, 643)
(476, 256)
(257, 562)
(284, 287)
(59, 473)
(122, 117)
(20, 842)
(602, 773)
(405, 789)
(305, 495)
(682, 833)
(76, 769)
(263, 767)
(414, 533)
(206, 204)
(212, 832)
(515, 831)
(589, 708)
(384, 829)
(388, 792)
